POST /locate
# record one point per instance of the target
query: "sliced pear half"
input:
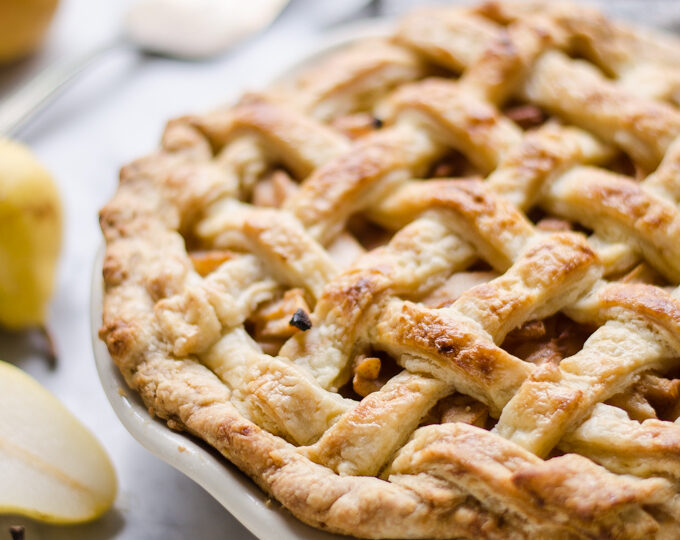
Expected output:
(51, 467)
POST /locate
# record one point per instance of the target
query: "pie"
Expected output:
(425, 287)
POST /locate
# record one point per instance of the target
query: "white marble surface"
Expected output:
(114, 113)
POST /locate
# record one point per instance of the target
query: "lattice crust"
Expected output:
(314, 202)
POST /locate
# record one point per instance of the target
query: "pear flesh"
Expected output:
(31, 223)
(51, 467)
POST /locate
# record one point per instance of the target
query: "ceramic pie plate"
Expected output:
(263, 517)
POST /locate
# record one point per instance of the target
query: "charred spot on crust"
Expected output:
(301, 320)
(246, 430)
(377, 122)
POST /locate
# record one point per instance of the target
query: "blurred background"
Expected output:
(113, 112)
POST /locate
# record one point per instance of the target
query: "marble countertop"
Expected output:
(112, 114)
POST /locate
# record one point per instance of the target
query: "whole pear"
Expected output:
(22, 26)
(30, 237)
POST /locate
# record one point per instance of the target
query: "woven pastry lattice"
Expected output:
(426, 287)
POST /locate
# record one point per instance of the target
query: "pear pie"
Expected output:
(426, 286)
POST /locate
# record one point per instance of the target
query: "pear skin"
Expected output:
(23, 24)
(30, 237)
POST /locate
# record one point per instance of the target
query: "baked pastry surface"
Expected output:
(427, 287)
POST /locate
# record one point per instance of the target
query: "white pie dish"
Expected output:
(263, 517)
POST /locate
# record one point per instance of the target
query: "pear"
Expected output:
(30, 237)
(22, 26)
(51, 467)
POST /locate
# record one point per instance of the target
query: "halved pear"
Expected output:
(51, 467)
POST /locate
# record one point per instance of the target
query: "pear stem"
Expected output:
(50, 350)
(18, 532)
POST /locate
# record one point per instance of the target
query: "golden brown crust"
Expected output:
(265, 196)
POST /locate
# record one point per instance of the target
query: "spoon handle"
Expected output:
(30, 98)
